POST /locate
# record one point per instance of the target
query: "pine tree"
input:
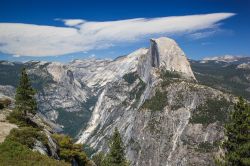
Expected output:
(116, 156)
(237, 144)
(25, 100)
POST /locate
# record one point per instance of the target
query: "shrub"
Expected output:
(27, 136)
(17, 118)
(71, 152)
(14, 153)
(20, 119)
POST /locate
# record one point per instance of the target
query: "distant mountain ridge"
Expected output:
(228, 58)
(230, 74)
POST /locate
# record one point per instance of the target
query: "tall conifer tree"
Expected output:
(237, 144)
(116, 156)
(25, 96)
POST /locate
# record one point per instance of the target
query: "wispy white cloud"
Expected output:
(16, 56)
(71, 22)
(81, 35)
(201, 35)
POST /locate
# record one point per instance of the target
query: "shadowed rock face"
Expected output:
(154, 54)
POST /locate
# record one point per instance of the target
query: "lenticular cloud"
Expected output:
(81, 35)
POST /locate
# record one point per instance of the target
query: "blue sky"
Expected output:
(38, 28)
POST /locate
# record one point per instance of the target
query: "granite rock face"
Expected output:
(164, 115)
(173, 134)
(75, 87)
(167, 55)
(143, 64)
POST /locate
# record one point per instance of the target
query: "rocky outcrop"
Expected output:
(244, 66)
(39, 147)
(48, 128)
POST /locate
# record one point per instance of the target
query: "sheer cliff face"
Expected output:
(167, 55)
